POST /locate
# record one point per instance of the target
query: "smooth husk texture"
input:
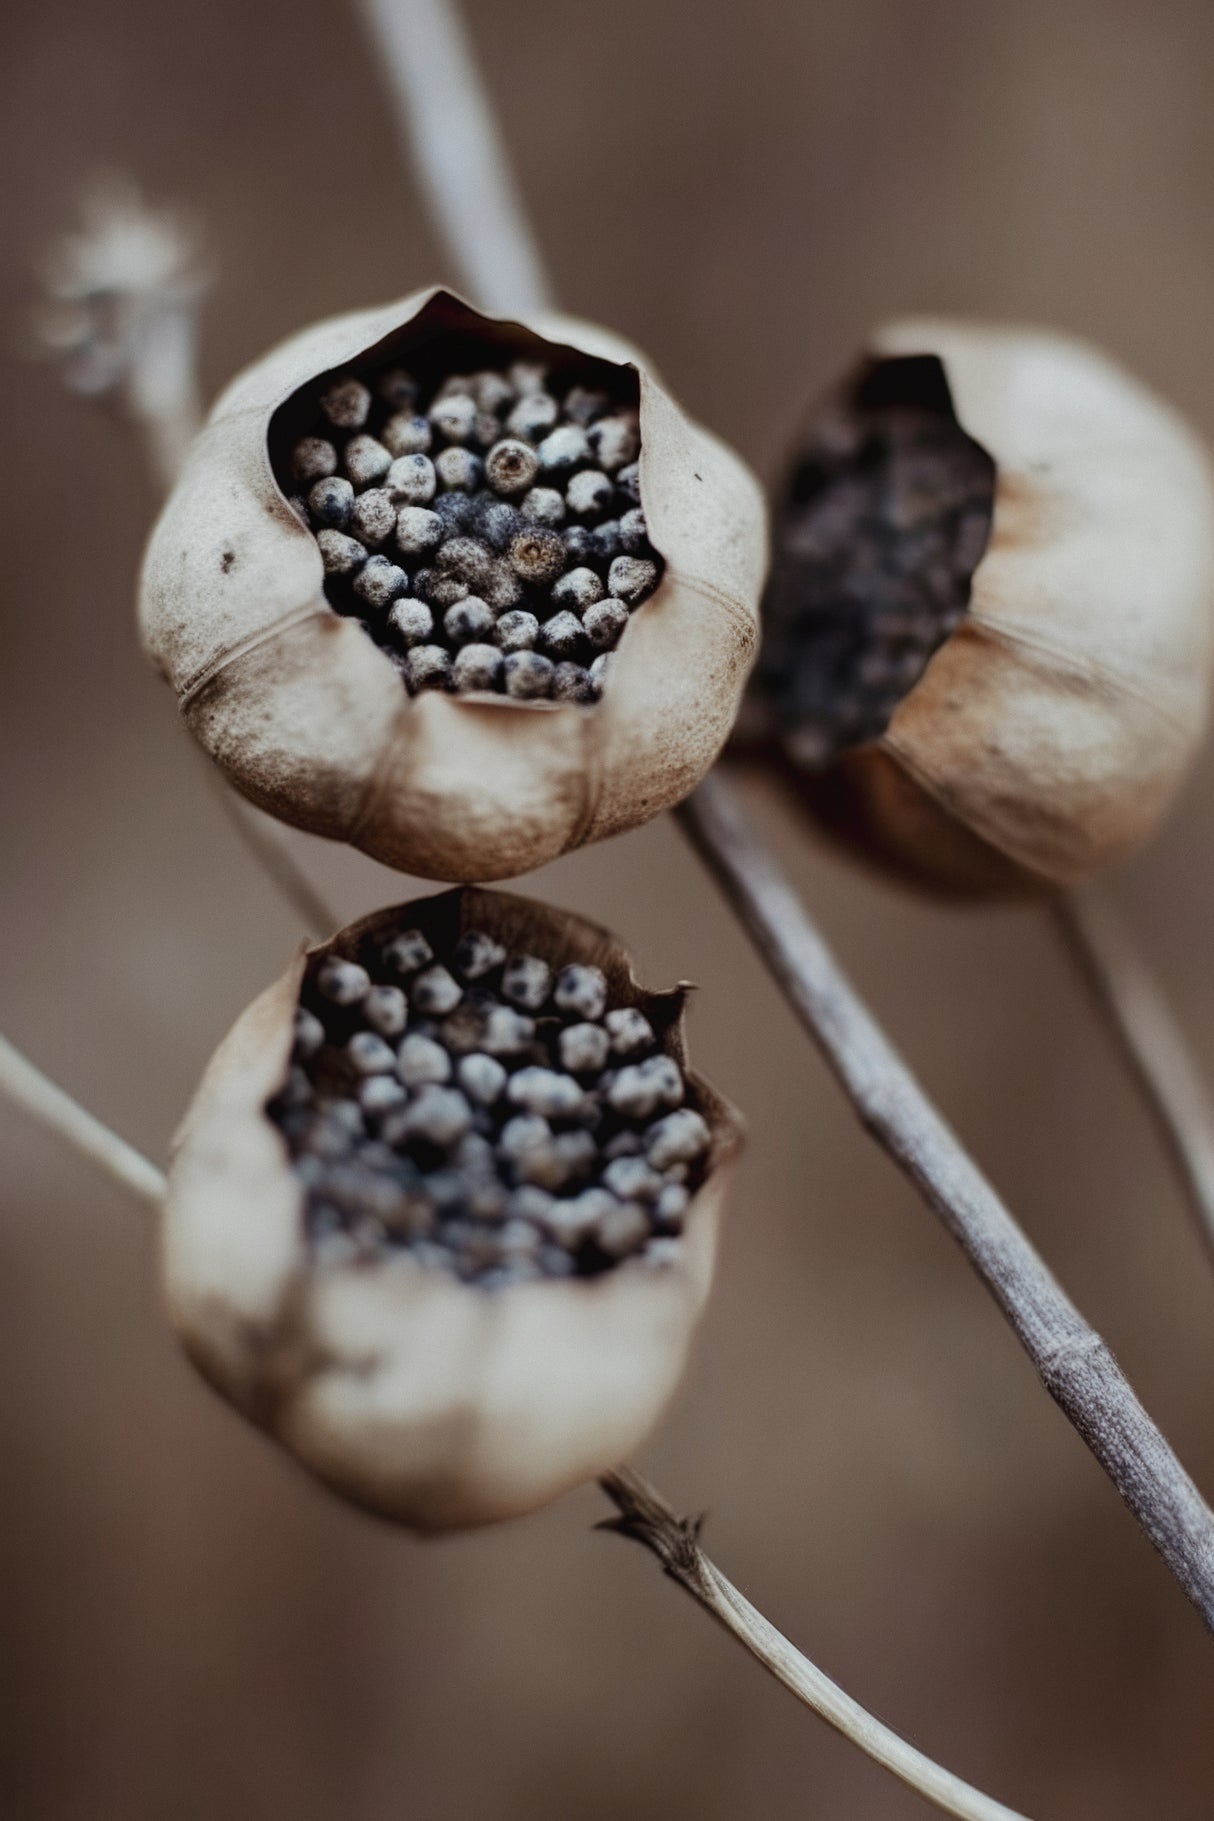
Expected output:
(1053, 728)
(310, 721)
(432, 1402)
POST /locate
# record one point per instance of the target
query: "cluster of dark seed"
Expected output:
(484, 1114)
(493, 540)
(885, 521)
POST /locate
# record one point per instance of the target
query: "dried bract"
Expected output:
(391, 489)
(443, 1214)
(989, 625)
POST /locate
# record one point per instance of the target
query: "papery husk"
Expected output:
(431, 1402)
(1052, 730)
(310, 720)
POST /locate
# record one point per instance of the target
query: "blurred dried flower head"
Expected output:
(462, 591)
(124, 290)
(443, 1214)
(989, 626)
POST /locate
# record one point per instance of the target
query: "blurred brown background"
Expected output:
(193, 1630)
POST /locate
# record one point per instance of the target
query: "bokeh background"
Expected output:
(193, 1629)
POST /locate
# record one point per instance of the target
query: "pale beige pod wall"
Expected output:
(1052, 730)
(310, 720)
(432, 1402)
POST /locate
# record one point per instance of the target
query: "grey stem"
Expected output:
(1131, 1001)
(1074, 1363)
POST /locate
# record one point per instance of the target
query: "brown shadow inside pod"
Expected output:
(883, 521)
(449, 578)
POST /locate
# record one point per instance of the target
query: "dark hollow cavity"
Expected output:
(484, 1110)
(476, 498)
(884, 519)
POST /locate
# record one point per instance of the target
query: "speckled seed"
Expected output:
(379, 582)
(411, 621)
(469, 622)
(406, 434)
(481, 1077)
(628, 480)
(583, 1048)
(369, 1054)
(374, 516)
(623, 1230)
(562, 637)
(428, 667)
(366, 460)
(466, 557)
(386, 1010)
(615, 442)
(577, 589)
(599, 670)
(632, 579)
(632, 1179)
(407, 952)
(629, 1030)
(476, 666)
(344, 982)
(634, 533)
(570, 683)
(441, 591)
(410, 480)
(517, 631)
(435, 992)
(454, 416)
(420, 1060)
(527, 676)
(313, 459)
(503, 590)
(534, 414)
(379, 1094)
(439, 1116)
(346, 403)
(309, 1032)
(644, 1088)
(543, 506)
(537, 556)
(545, 1091)
(526, 982)
(397, 387)
(565, 449)
(417, 528)
(506, 1032)
(604, 542)
(582, 404)
(604, 622)
(582, 989)
(459, 469)
(331, 501)
(589, 493)
(511, 466)
(679, 1138)
(477, 954)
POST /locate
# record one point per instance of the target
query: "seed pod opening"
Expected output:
(390, 488)
(443, 1214)
(988, 631)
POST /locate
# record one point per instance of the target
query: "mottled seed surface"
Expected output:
(885, 519)
(497, 509)
(485, 1113)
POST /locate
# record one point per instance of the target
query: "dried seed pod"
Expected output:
(352, 1268)
(988, 631)
(307, 714)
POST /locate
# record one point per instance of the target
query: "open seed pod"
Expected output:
(443, 1214)
(987, 643)
(512, 500)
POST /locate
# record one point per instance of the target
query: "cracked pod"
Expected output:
(387, 583)
(987, 641)
(442, 1216)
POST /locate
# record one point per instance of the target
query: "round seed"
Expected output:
(622, 1231)
(379, 1094)
(374, 516)
(628, 480)
(629, 1030)
(562, 636)
(417, 529)
(435, 991)
(527, 676)
(366, 460)
(386, 1010)
(470, 622)
(369, 1054)
(458, 468)
(644, 1088)
(454, 416)
(346, 403)
(543, 506)
(582, 405)
(476, 666)
(407, 952)
(565, 449)
(632, 579)
(570, 683)
(406, 434)
(511, 466)
(420, 1060)
(516, 631)
(309, 1032)
(583, 1048)
(545, 1091)
(439, 1116)
(477, 954)
(313, 459)
(427, 667)
(679, 1138)
(616, 442)
(581, 989)
(634, 533)
(410, 480)
(534, 414)
(379, 582)
(526, 982)
(506, 1032)
(331, 502)
(344, 982)
(397, 387)
(590, 493)
(466, 557)
(577, 589)
(481, 1077)
(537, 556)
(604, 622)
(411, 621)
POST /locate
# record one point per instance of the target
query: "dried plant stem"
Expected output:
(1074, 1363)
(1131, 1001)
(648, 1519)
(643, 1512)
(449, 128)
(270, 850)
(28, 1087)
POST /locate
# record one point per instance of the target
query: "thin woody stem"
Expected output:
(1073, 1362)
(270, 850)
(645, 1516)
(1133, 1006)
(27, 1087)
